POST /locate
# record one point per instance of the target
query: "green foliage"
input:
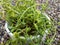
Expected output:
(58, 23)
(25, 20)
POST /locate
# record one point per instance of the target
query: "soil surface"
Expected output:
(3, 34)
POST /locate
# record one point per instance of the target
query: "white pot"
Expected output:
(44, 36)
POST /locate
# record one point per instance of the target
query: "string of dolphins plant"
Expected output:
(25, 20)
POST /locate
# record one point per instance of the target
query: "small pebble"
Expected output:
(2, 39)
(59, 16)
(58, 27)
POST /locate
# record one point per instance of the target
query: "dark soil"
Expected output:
(3, 34)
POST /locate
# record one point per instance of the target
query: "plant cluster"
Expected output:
(25, 20)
